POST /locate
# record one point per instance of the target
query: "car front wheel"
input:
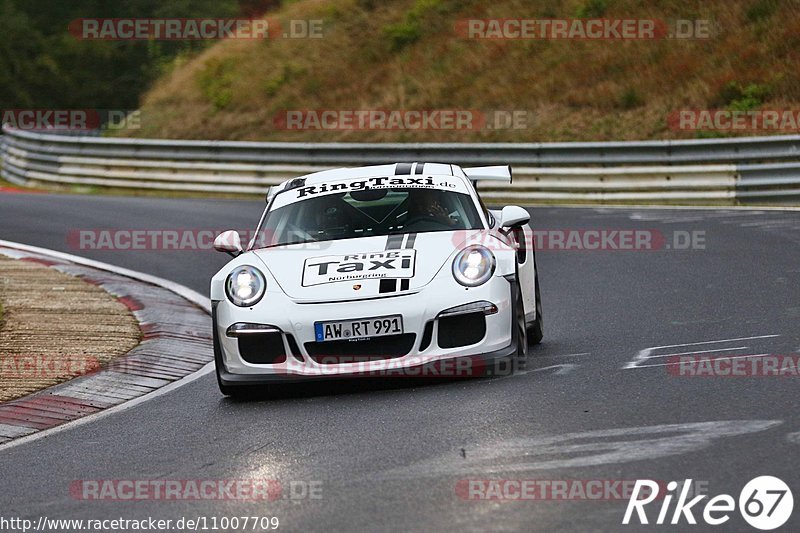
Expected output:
(536, 328)
(518, 321)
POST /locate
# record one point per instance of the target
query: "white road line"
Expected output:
(185, 292)
(681, 220)
(754, 208)
(565, 355)
(713, 342)
(644, 355)
(719, 358)
(617, 446)
(208, 368)
(699, 351)
(193, 296)
(560, 370)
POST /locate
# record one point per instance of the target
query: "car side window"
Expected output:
(489, 217)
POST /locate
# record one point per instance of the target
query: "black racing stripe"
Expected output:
(419, 168)
(387, 285)
(402, 168)
(394, 241)
(405, 283)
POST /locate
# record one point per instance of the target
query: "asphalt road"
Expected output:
(391, 457)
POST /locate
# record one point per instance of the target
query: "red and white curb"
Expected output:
(14, 190)
(176, 349)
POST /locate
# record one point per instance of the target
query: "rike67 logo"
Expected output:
(765, 503)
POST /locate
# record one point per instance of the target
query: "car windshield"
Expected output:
(369, 212)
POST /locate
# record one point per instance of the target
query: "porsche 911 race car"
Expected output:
(357, 270)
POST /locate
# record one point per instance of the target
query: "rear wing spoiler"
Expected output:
(497, 173)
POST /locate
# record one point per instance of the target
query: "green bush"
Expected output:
(215, 82)
(402, 34)
(736, 97)
(752, 97)
(761, 10)
(43, 65)
(288, 73)
(409, 30)
(592, 9)
(630, 99)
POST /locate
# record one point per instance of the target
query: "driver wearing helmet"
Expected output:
(425, 204)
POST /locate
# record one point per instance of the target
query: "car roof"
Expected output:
(394, 169)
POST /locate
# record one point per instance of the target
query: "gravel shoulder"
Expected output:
(55, 327)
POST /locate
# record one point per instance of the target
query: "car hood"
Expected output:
(362, 268)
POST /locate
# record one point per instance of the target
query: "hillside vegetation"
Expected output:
(44, 66)
(407, 54)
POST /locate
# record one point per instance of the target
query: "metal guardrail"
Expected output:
(751, 169)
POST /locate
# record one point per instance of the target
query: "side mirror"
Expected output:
(228, 242)
(512, 216)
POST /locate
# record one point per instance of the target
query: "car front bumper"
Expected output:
(294, 322)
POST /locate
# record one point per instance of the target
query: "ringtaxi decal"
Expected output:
(765, 502)
(371, 265)
(372, 183)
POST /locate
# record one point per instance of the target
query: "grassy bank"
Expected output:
(407, 55)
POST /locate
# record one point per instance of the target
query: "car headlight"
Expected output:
(473, 266)
(245, 286)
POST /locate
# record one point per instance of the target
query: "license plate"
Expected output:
(358, 329)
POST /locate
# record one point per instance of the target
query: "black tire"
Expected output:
(518, 322)
(536, 328)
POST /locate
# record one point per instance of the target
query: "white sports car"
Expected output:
(356, 271)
